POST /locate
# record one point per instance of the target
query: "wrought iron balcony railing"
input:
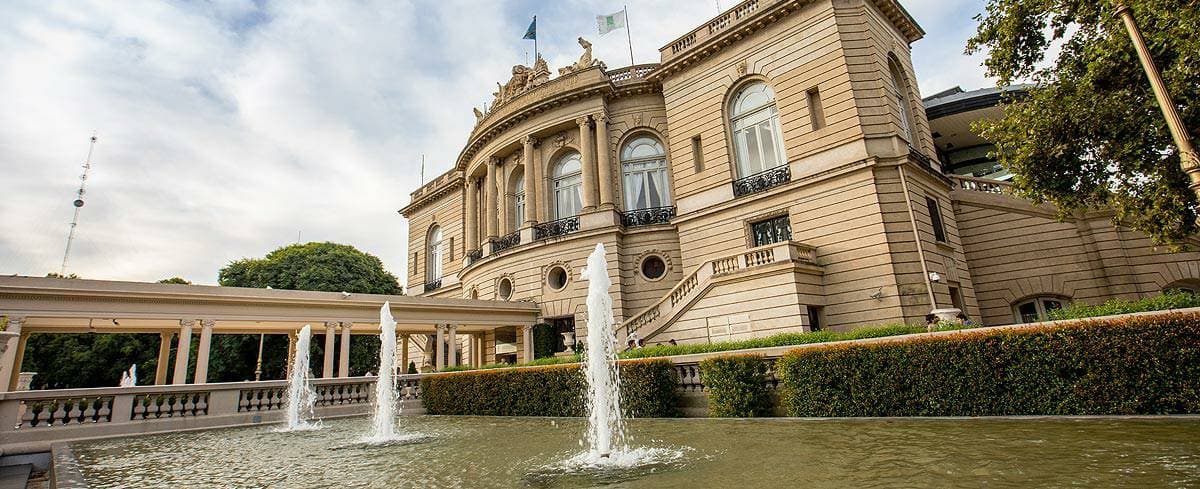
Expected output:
(474, 255)
(552, 229)
(761, 181)
(920, 157)
(506, 242)
(434, 285)
(646, 217)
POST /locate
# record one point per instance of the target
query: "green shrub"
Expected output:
(544, 340)
(783, 339)
(1140, 365)
(737, 386)
(647, 390)
(1172, 299)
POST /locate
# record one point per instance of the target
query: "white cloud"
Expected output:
(227, 127)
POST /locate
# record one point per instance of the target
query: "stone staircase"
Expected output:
(651, 320)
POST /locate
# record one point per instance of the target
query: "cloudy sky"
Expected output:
(228, 128)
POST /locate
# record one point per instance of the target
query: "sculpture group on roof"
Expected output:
(525, 78)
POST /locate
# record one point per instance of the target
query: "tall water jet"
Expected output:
(301, 398)
(385, 391)
(606, 428)
(129, 377)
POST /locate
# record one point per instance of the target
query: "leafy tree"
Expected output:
(89, 359)
(328, 267)
(1090, 133)
(59, 275)
(174, 280)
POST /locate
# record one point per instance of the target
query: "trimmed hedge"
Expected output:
(784, 339)
(737, 386)
(1175, 299)
(1140, 365)
(647, 390)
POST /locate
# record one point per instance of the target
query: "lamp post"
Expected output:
(1188, 158)
(258, 363)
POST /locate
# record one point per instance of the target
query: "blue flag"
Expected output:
(531, 33)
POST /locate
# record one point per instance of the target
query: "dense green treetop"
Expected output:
(328, 267)
(175, 280)
(1090, 133)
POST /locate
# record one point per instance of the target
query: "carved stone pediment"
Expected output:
(523, 78)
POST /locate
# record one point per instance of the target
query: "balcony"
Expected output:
(762, 181)
(647, 217)
(433, 285)
(737, 16)
(505, 242)
(474, 255)
(552, 229)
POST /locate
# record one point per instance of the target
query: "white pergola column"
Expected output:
(603, 161)
(182, 350)
(439, 347)
(527, 339)
(344, 363)
(164, 357)
(206, 328)
(588, 155)
(330, 337)
(453, 340)
(404, 353)
(10, 369)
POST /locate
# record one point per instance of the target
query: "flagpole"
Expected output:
(535, 48)
(628, 37)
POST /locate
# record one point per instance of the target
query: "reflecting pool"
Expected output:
(472, 452)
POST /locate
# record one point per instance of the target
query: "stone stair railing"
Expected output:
(653, 319)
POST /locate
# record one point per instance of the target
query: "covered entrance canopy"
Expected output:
(45, 305)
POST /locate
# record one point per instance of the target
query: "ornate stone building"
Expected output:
(774, 172)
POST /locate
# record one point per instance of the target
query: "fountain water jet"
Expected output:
(606, 427)
(129, 377)
(301, 398)
(384, 422)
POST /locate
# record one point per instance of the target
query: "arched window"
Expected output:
(900, 92)
(518, 201)
(644, 163)
(757, 138)
(1036, 309)
(568, 186)
(433, 258)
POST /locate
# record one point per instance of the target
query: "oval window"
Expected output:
(653, 267)
(557, 278)
(505, 289)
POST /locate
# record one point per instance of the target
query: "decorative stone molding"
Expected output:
(742, 68)
(207, 323)
(187, 323)
(666, 258)
(581, 121)
(545, 273)
(562, 139)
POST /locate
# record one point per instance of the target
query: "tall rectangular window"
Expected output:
(452, 248)
(771, 231)
(697, 153)
(956, 298)
(816, 114)
(935, 217)
(814, 318)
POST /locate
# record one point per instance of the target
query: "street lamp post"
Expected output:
(1188, 158)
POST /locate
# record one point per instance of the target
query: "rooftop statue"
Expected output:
(585, 60)
(523, 78)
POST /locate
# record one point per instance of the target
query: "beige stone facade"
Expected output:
(799, 185)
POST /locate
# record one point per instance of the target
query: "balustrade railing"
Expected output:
(474, 255)
(985, 185)
(505, 242)
(646, 217)
(731, 18)
(60, 411)
(761, 181)
(557, 228)
(169, 405)
(630, 73)
(433, 285)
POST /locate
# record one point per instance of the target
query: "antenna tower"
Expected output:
(87, 166)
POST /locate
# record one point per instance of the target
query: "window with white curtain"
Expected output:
(433, 260)
(900, 92)
(519, 202)
(644, 163)
(757, 138)
(568, 186)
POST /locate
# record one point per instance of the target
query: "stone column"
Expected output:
(531, 217)
(527, 337)
(18, 359)
(604, 161)
(344, 363)
(588, 154)
(404, 353)
(452, 354)
(471, 230)
(9, 368)
(490, 214)
(330, 337)
(439, 347)
(164, 357)
(182, 350)
(206, 327)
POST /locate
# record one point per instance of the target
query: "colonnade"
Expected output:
(597, 190)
